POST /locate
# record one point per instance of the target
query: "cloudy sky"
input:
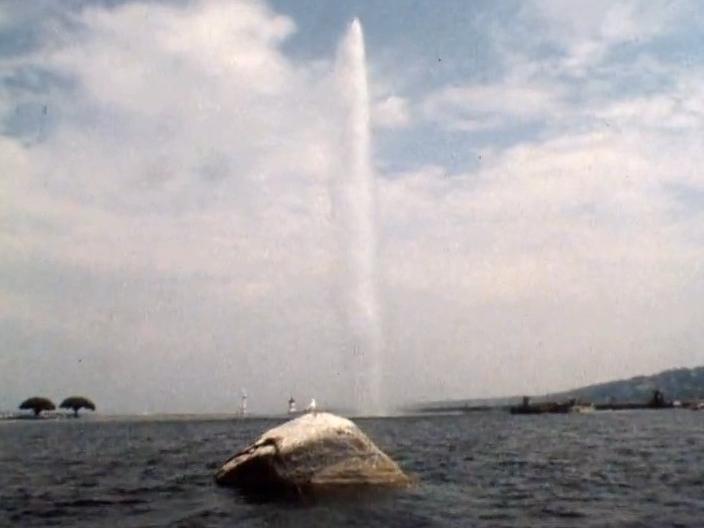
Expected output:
(167, 230)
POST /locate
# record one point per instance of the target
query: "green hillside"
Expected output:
(676, 384)
(684, 384)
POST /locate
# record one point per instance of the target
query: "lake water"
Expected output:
(640, 468)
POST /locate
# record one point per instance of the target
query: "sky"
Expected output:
(167, 233)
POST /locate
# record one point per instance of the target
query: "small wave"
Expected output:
(563, 513)
(95, 503)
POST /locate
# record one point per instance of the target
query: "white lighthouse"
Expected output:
(243, 403)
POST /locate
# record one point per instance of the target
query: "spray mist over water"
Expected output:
(355, 211)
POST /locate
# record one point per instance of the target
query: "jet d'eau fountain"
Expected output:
(354, 207)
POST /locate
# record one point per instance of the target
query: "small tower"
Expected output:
(243, 403)
(291, 405)
(312, 406)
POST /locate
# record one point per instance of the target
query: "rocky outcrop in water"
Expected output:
(315, 451)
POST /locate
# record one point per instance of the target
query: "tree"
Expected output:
(37, 404)
(77, 403)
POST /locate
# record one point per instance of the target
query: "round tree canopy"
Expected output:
(37, 404)
(77, 402)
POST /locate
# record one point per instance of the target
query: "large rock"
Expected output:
(313, 452)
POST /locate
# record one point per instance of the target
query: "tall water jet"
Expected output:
(355, 211)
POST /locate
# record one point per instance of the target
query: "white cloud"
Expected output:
(391, 112)
(491, 106)
(565, 76)
(184, 185)
(555, 257)
(678, 109)
(580, 242)
(587, 31)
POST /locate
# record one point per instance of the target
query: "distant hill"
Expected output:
(682, 384)
(676, 384)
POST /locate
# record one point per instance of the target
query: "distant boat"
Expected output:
(583, 408)
(542, 408)
(292, 405)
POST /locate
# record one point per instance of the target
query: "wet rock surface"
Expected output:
(317, 451)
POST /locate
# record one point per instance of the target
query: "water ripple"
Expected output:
(492, 469)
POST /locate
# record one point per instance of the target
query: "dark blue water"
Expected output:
(491, 469)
